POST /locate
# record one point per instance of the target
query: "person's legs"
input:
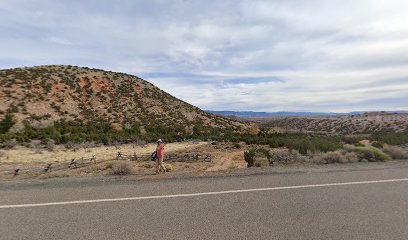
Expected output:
(161, 165)
(158, 165)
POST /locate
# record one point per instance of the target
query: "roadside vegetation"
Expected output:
(102, 132)
(262, 156)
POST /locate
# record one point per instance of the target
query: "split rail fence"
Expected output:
(186, 157)
(82, 162)
(74, 163)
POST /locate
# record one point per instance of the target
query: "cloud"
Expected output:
(287, 55)
(58, 40)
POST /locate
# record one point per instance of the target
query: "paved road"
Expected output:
(316, 208)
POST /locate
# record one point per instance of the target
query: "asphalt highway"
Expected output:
(371, 203)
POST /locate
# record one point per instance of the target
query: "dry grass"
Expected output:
(120, 168)
(396, 152)
(169, 167)
(233, 166)
(336, 157)
(22, 154)
(281, 155)
(36, 158)
(261, 162)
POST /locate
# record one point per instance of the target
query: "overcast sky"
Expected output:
(282, 55)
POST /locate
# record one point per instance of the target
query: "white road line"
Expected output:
(200, 194)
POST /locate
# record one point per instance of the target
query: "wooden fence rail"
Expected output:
(74, 163)
(82, 162)
(187, 157)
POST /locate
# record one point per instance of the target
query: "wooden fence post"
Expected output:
(48, 167)
(72, 164)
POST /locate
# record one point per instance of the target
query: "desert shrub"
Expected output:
(343, 156)
(365, 154)
(380, 155)
(347, 149)
(236, 145)
(371, 154)
(119, 168)
(50, 145)
(301, 142)
(391, 138)
(359, 144)
(285, 156)
(261, 158)
(377, 144)
(396, 152)
(249, 157)
(352, 139)
(350, 157)
(169, 167)
(6, 123)
(333, 157)
(9, 144)
(261, 161)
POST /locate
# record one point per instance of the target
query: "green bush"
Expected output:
(377, 144)
(391, 138)
(6, 123)
(372, 154)
(249, 157)
(359, 144)
(261, 161)
(352, 139)
(236, 145)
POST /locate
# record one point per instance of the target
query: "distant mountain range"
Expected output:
(290, 114)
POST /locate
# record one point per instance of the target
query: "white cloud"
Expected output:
(239, 55)
(58, 40)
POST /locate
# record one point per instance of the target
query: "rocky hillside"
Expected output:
(355, 124)
(40, 96)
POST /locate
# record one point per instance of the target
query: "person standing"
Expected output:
(160, 157)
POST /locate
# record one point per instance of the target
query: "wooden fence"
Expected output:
(74, 163)
(82, 162)
(174, 157)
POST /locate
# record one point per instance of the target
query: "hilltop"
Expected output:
(43, 97)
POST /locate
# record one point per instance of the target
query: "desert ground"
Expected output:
(224, 156)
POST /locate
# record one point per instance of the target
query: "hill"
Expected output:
(61, 98)
(366, 123)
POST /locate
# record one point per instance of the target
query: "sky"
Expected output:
(241, 55)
